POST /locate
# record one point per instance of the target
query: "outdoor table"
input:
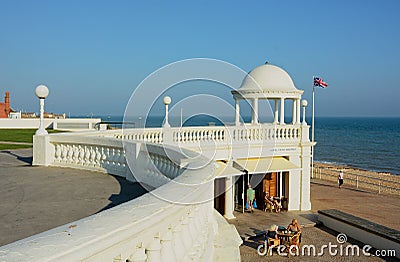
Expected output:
(285, 237)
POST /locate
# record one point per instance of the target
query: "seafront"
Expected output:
(35, 199)
(381, 209)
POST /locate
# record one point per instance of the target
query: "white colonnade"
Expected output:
(278, 112)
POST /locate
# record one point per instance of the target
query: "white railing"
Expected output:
(174, 222)
(152, 135)
(381, 183)
(182, 135)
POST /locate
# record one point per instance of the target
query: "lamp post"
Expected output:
(41, 92)
(304, 104)
(167, 100)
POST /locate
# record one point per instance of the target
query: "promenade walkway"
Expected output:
(35, 199)
(324, 195)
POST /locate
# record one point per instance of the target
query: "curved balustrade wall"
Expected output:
(175, 222)
(145, 228)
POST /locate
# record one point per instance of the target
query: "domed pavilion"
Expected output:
(276, 160)
(268, 82)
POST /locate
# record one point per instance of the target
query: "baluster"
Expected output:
(192, 226)
(177, 242)
(190, 132)
(120, 158)
(187, 238)
(70, 153)
(76, 154)
(58, 153)
(87, 156)
(92, 156)
(63, 152)
(98, 157)
(167, 250)
(139, 255)
(153, 251)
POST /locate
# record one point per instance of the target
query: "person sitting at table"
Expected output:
(272, 232)
(295, 228)
(273, 201)
(272, 238)
(278, 205)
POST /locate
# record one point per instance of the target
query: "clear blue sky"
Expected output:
(92, 54)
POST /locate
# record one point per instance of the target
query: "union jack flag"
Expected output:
(319, 82)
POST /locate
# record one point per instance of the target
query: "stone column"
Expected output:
(298, 111)
(237, 109)
(276, 115)
(294, 185)
(228, 212)
(282, 120)
(254, 115)
(305, 203)
(294, 113)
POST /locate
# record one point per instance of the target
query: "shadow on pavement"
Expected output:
(27, 160)
(129, 190)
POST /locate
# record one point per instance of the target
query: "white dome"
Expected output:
(269, 78)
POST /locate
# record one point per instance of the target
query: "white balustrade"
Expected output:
(144, 229)
(147, 228)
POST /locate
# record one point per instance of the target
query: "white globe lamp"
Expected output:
(167, 100)
(304, 104)
(41, 92)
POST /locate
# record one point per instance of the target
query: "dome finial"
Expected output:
(266, 62)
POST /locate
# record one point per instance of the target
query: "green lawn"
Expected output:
(5, 146)
(18, 135)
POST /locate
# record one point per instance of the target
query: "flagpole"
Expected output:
(312, 132)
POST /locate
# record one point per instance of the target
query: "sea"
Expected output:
(370, 143)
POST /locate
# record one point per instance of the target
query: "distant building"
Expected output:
(7, 112)
(5, 108)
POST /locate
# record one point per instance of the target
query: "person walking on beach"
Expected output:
(251, 195)
(340, 178)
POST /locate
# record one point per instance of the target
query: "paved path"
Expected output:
(381, 209)
(324, 195)
(35, 199)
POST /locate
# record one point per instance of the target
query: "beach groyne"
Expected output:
(378, 182)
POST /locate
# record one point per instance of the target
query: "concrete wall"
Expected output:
(68, 124)
(359, 234)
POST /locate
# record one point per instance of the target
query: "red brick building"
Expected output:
(5, 107)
